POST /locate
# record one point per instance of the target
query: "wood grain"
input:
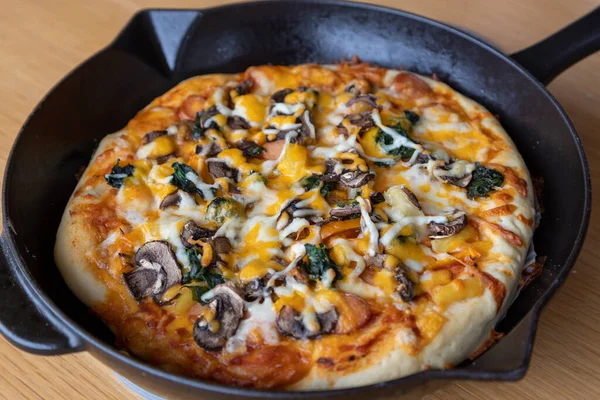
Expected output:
(40, 41)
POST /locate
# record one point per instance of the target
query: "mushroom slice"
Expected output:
(363, 98)
(331, 175)
(244, 87)
(150, 136)
(279, 96)
(170, 200)
(237, 122)
(210, 150)
(227, 307)
(441, 230)
(220, 245)
(423, 158)
(358, 87)
(250, 149)
(356, 179)
(156, 270)
(405, 288)
(307, 131)
(328, 321)
(289, 323)
(362, 120)
(377, 261)
(403, 201)
(458, 173)
(220, 169)
(192, 231)
(344, 212)
(255, 289)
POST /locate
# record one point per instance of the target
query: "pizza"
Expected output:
(301, 227)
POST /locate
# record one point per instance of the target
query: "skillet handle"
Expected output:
(23, 323)
(548, 58)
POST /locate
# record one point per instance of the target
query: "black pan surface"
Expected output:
(159, 48)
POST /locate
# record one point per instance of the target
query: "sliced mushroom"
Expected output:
(376, 198)
(220, 245)
(228, 309)
(363, 98)
(405, 288)
(156, 270)
(423, 158)
(289, 323)
(244, 87)
(362, 120)
(250, 149)
(170, 200)
(442, 230)
(307, 131)
(356, 179)
(330, 174)
(203, 117)
(328, 321)
(255, 289)
(344, 212)
(377, 261)
(150, 136)
(458, 173)
(237, 122)
(191, 231)
(209, 150)
(220, 169)
(358, 87)
(279, 96)
(300, 275)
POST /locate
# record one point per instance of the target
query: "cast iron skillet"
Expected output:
(159, 48)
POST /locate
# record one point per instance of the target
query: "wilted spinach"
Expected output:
(180, 180)
(310, 182)
(319, 262)
(117, 174)
(252, 150)
(197, 273)
(403, 126)
(484, 181)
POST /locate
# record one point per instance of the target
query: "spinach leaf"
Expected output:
(403, 126)
(484, 181)
(347, 203)
(197, 273)
(327, 188)
(383, 139)
(198, 128)
(197, 292)
(310, 182)
(412, 116)
(252, 150)
(180, 180)
(117, 174)
(319, 262)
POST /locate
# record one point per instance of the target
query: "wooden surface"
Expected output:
(40, 41)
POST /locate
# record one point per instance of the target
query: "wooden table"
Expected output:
(40, 41)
